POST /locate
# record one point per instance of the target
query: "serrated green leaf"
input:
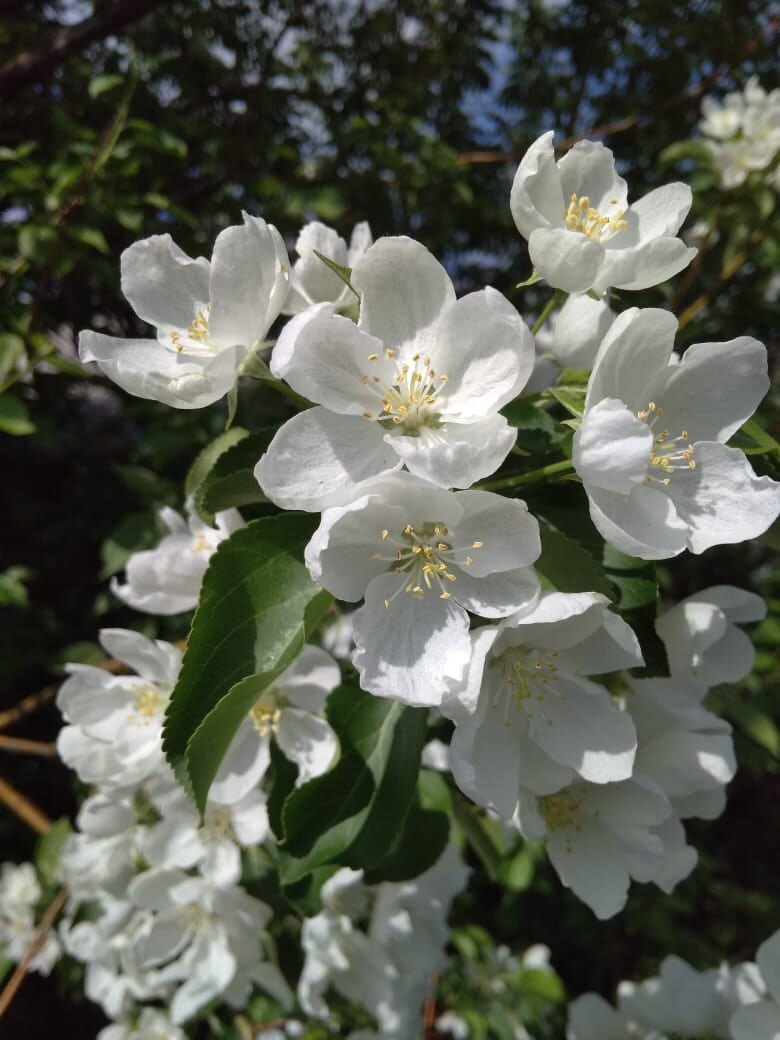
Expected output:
(231, 481)
(568, 566)
(15, 417)
(353, 814)
(209, 455)
(250, 623)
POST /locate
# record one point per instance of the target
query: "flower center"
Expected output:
(668, 453)
(408, 397)
(148, 704)
(195, 338)
(266, 713)
(423, 557)
(582, 217)
(559, 811)
(526, 673)
(218, 825)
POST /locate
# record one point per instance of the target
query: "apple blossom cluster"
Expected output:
(731, 1002)
(743, 133)
(403, 387)
(20, 899)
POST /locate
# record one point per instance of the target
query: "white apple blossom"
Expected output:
(290, 712)
(418, 382)
(680, 1004)
(525, 715)
(423, 557)
(179, 839)
(702, 641)
(582, 234)
(760, 1020)
(385, 968)
(101, 853)
(20, 894)
(651, 449)
(115, 721)
(208, 315)
(598, 836)
(312, 281)
(205, 939)
(742, 132)
(167, 579)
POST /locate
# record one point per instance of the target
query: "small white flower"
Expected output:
(208, 316)
(760, 1020)
(115, 722)
(702, 641)
(598, 837)
(582, 234)
(651, 448)
(418, 382)
(151, 1024)
(423, 557)
(290, 712)
(312, 281)
(525, 715)
(167, 579)
(19, 894)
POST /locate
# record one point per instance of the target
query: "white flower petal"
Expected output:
(635, 350)
(588, 169)
(760, 1021)
(309, 679)
(768, 957)
(715, 388)
(248, 282)
(498, 594)
(644, 265)
(508, 535)
(145, 368)
(317, 457)
(662, 211)
(153, 659)
(537, 198)
(644, 523)
(413, 648)
(566, 259)
(243, 767)
(483, 759)
(284, 348)
(612, 447)
(722, 500)
(308, 741)
(486, 351)
(164, 286)
(575, 332)
(404, 290)
(455, 455)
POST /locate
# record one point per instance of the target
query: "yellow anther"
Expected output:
(477, 545)
(385, 534)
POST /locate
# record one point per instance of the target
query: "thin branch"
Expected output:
(47, 921)
(33, 66)
(726, 274)
(22, 746)
(22, 807)
(27, 706)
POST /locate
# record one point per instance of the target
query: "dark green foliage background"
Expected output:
(412, 116)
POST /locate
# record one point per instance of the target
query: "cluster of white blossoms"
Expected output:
(20, 897)
(743, 133)
(731, 1002)
(406, 384)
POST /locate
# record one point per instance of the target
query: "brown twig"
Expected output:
(20, 971)
(22, 807)
(22, 746)
(26, 706)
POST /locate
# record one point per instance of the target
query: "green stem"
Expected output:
(467, 818)
(555, 301)
(536, 476)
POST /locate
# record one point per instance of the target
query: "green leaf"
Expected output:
(257, 602)
(532, 279)
(420, 844)
(353, 815)
(231, 481)
(209, 455)
(569, 567)
(92, 237)
(517, 872)
(101, 84)
(695, 148)
(49, 849)
(572, 399)
(344, 273)
(12, 588)
(15, 417)
(635, 579)
(134, 532)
